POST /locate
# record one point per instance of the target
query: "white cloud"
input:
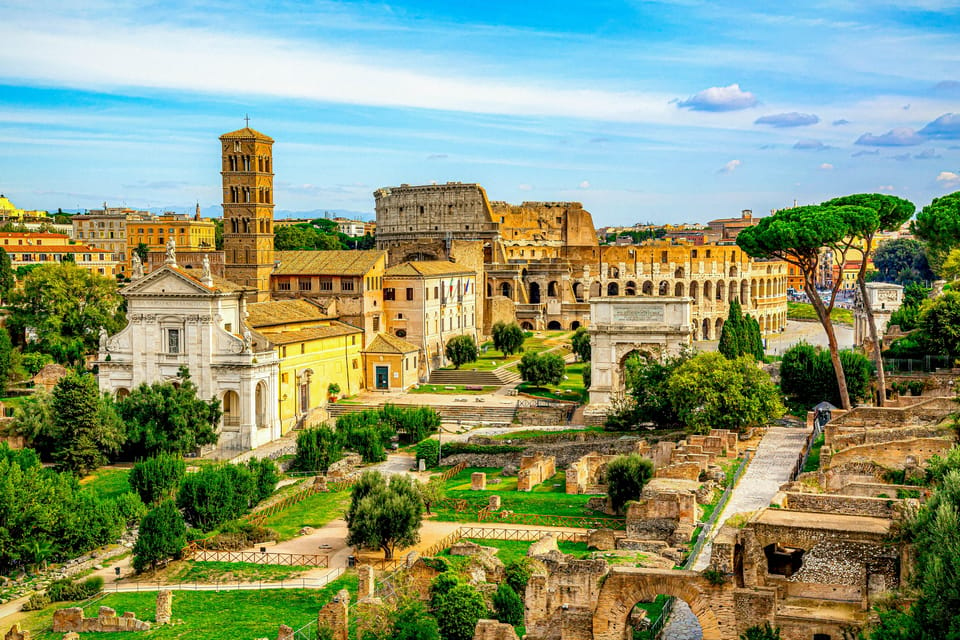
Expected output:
(792, 119)
(809, 145)
(826, 166)
(730, 167)
(525, 187)
(584, 185)
(74, 53)
(949, 178)
(885, 187)
(730, 98)
(899, 137)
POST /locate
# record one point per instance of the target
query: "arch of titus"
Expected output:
(623, 324)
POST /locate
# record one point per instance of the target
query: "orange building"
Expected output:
(52, 248)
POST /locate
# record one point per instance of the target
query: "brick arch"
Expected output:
(624, 587)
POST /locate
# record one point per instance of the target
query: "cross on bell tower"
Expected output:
(247, 171)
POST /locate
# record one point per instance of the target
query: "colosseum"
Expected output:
(546, 259)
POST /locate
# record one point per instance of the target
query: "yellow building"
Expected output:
(316, 352)
(25, 249)
(391, 363)
(8, 210)
(191, 234)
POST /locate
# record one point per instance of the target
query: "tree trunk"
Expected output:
(387, 552)
(874, 338)
(821, 310)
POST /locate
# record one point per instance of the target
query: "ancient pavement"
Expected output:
(770, 467)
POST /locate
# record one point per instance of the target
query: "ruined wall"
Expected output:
(493, 630)
(893, 455)
(335, 615)
(534, 469)
(72, 619)
(846, 438)
(843, 504)
(496, 309)
(541, 415)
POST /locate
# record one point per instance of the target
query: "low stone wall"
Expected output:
(541, 415)
(493, 630)
(335, 615)
(841, 504)
(564, 451)
(72, 619)
(894, 455)
(534, 469)
(875, 490)
(814, 591)
(859, 437)
(680, 471)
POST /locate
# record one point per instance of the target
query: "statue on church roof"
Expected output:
(137, 267)
(171, 252)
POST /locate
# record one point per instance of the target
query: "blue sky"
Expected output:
(677, 110)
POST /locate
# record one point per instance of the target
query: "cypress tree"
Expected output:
(733, 341)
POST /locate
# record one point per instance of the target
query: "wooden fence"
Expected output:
(545, 520)
(452, 471)
(196, 550)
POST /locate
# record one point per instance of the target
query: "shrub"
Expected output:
(715, 577)
(65, 589)
(625, 478)
(429, 450)
(317, 449)
(459, 610)
(518, 574)
(439, 588)
(157, 478)
(454, 448)
(214, 495)
(162, 536)
(461, 350)
(36, 602)
(507, 605)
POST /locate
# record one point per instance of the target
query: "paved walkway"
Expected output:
(770, 467)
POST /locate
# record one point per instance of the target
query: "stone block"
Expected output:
(493, 630)
(73, 635)
(494, 503)
(478, 481)
(366, 581)
(602, 540)
(16, 633)
(285, 633)
(543, 546)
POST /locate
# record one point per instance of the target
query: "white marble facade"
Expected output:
(175, 319)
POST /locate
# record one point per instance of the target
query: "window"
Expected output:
(399, 316)
(326, 284)
(353, 339)
(409, 293)
(436, 292)
(346, 285)
(693, 254)
(284, 378)
(283, 286)
(708, 253)
(303, 348)
(173, 340)
(388, 294)
(376, 323)
(305, 285)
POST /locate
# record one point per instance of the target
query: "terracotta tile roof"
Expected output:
(428, 268)
(246, 133)
(334, 330)
(219, 284)
(386, 343)
(347, 263)
(277, 312)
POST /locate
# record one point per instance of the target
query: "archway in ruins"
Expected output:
(624, 587)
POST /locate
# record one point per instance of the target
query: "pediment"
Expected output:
(165, 281)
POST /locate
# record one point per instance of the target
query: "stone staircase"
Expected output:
(468, 413)
(495, 378)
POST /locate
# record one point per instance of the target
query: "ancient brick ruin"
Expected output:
(534, 469)
(493, 630)
(16, 633)
(72, 619)
(335, 615)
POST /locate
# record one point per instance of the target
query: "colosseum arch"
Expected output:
(630, 289)
(733, 271)
(596, 290)
(720, 289)
(489, 290)
(534, 293)
(705, 334)
(506, 290)
(613, 289)
(678, 290)
(678, 273)
(744, 292)
(664, 288)
(578, 291)
(648, 288)
(693, 291)
(719, 328)
(707, 291)
(553, 289)
(614, 272)
(624, 587)
(732, 291)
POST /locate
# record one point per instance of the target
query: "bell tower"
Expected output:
(248, 209)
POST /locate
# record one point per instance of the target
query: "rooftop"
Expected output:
(245, 134)
(333, 330)
(340, 262)
(428, 268)
(386, 343)
(278, 312)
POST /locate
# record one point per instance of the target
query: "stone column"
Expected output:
(164, 606)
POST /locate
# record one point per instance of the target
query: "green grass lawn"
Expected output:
(569, 389)
(512, 550)
(210, 615)
(107, 482)
(493, 359)
(457, 389)
(235, 571)
(315, 511)
(813, 458)
(805, 311)
(545, 499)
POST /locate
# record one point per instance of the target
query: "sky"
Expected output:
(644, 111)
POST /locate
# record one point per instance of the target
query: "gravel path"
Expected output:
(770, 467)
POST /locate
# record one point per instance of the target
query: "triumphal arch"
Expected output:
(660, 326)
